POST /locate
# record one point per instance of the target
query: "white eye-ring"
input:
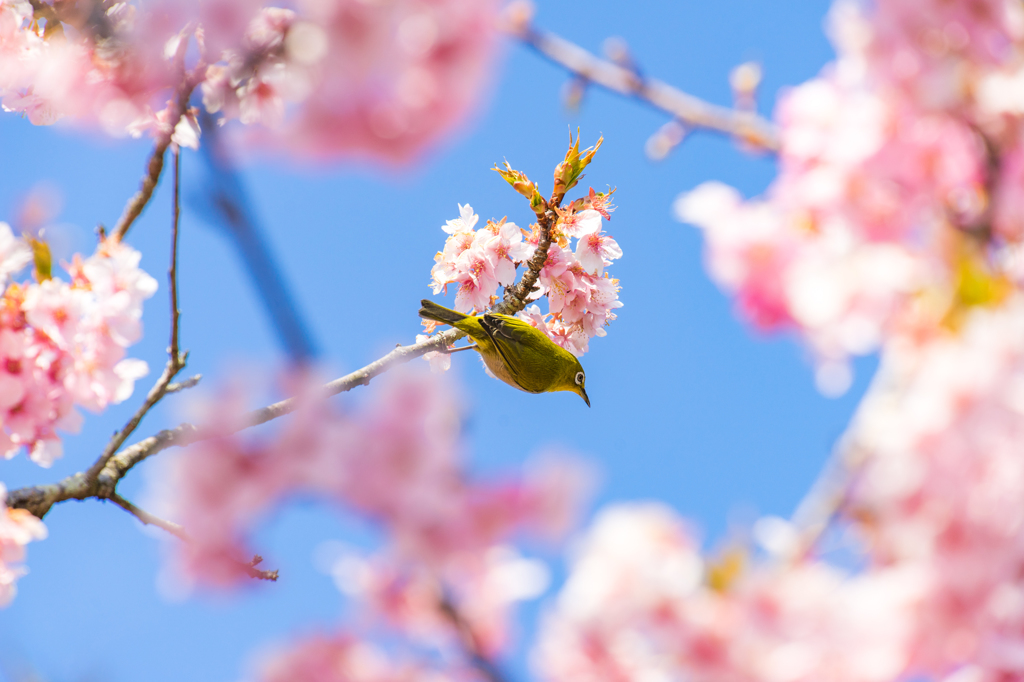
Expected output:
(579, 378)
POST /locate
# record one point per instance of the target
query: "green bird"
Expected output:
(515, 351)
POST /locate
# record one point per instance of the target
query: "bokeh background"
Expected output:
(690, 406)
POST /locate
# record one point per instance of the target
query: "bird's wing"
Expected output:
(524, 349)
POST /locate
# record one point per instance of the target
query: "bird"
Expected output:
(515, 351)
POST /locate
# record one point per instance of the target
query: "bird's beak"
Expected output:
(583, 394)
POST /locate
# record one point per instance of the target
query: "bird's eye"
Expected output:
(579, 378)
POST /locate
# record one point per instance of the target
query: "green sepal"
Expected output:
(521, 184)
(570, 171)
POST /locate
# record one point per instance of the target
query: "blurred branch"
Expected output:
(226, 205)
(824, 503)
(148, 519)
(470, 642)
(691, 111)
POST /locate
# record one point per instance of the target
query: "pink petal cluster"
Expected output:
(104, 67)
(939, 488)
(640, 603)
(581, 297)
(397, 463)
(478, 260)
(17, 528)
(324, 78)
(63, 344)
(904, 145)
(340, 657)
(381, 79)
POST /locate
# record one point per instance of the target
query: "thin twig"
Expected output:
(149, 519)
(175, 363)
(470, 642)
(179, 386)
(133, 209)
(172, 271)
(174, 529)
(259, 573)
(691, 111)
(517, 296)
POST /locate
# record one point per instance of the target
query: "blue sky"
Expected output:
(689, 405)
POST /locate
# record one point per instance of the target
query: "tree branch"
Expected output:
(133, 209)
(470, 642)
(175, 363)
(111, 468)
(691, 111)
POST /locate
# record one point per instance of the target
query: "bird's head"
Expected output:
(578, 383)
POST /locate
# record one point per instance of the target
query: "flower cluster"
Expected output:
(581, 297)
(397, 463)
(641, 603)
(105, 67)
(379, 79)
(17, 528)
(328, 77)
(895, 200)
(940, 488)
(63, 344)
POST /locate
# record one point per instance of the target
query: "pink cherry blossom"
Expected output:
(15, 254)
(581, 301)
(640, 603)
(938, 483)
(341, 77)
(17, 528)
(63, 345)
(478, 260)
(594, 250)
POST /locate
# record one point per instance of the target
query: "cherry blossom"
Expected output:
(939, 472)
(17, 528)
(581, 297)
(326, 78)
(63, 344)
(641, 602)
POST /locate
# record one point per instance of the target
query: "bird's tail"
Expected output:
(438, 313)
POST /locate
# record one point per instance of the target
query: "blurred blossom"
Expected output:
(887, 159)
(638, 605)
(17, 528)
(339, 657)
(941, 486)
(326, 78)
(398, 462)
